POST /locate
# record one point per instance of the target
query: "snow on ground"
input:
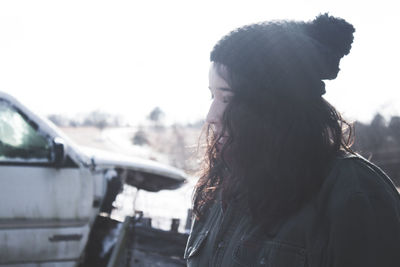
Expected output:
(165, 205)
(120, 139)
(111, 139)
(161, 206)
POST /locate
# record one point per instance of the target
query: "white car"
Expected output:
(51, 190)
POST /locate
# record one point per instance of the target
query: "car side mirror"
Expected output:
(58, 152)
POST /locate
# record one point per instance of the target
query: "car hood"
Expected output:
(141, 173)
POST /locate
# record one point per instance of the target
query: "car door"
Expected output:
(44, 209)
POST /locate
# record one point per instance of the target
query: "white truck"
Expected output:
(52, 190)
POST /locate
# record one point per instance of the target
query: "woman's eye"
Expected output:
(226, 99)
(212, 96)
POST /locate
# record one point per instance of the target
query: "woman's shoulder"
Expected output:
(352, 173)
(352, 176)
(360, 207)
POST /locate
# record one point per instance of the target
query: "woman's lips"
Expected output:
(221, 141)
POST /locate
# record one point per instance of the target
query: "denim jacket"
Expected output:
(353, 221)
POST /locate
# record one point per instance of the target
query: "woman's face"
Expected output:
(221, 94)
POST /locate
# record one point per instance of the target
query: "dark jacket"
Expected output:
(354, 221)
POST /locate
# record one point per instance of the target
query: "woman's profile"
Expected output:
(281, 186)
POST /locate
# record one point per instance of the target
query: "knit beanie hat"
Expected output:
(290, 58)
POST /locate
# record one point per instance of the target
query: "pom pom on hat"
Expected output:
(335, 33)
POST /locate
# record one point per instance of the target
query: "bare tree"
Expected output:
(140, 137)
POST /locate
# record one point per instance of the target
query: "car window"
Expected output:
(19, 138)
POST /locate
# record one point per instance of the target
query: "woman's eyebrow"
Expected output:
(222, 89)
(225, 89)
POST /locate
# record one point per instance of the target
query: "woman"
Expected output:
(281, 186)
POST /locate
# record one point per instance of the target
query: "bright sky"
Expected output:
(126, 57)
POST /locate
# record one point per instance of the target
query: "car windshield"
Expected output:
(19, 138)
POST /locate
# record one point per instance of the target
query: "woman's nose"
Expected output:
(212, 116)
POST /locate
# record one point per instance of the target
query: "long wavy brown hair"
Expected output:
(279, 150)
